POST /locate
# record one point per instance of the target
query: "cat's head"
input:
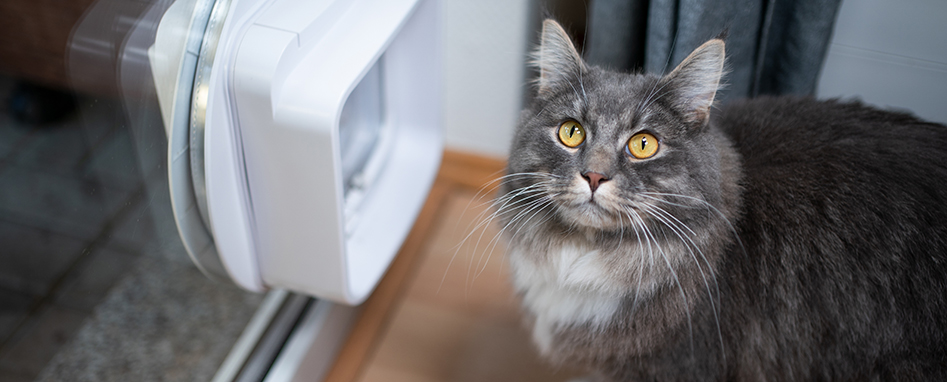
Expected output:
(604, 150)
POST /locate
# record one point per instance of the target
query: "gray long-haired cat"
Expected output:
(654, 237)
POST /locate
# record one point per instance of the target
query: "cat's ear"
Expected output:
(556, 58)
(694, 83)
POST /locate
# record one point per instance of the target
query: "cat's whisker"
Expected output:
(585, 98)
(535, 210)
(574, 90)
(710, 268)
(482, 221)
(540, 112)
(499, 181)
(653, 211)
(637, 234)
(647, 100)
(509, 177)
(717, 287)
(643, 229)
(708, 205)
(680, 286)
(513, 201)
(645, 195)
(641, 102)
(533, 196)
(506, 179)
(499, 210)
(506, 202)
(534, 207)
(496, 183)
(655, 96)
(667, 62)
(521, 200)
(549, 213)
(543, 208)
(527, 209)
(689, 243)
(692, 243)
(679, 226)
(512, 195)
(690, 240)
(621, 230)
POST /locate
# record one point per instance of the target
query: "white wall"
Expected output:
(484, 72)
(891, 53)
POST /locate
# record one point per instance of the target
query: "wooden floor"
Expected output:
(446, 310)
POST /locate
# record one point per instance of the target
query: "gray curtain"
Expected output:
(773, 46)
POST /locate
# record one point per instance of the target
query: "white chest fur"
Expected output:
(563, 286)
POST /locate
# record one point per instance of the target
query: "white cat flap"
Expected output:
(303, 136)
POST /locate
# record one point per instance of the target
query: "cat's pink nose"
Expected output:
(594, 179)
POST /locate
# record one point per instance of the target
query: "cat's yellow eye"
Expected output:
(643, 145)
(571, 134)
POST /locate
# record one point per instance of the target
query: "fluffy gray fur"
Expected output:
(775, 239)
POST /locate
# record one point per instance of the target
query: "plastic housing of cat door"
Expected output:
(303, 136)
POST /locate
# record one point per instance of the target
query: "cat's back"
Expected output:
(828, 151)
(844, 218)
(773, 130)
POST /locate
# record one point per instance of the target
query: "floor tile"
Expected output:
(32, 259)
(57, 149)
(164, 322)
(12, 136)
(88, 284)
(149, 140)
(98, 117)
(158, 200)
(114, 162)
(149, 227)
(134, 232)
(14, 307)
(27, 356)
(65, 204)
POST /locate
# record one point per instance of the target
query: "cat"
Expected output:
(653, 236)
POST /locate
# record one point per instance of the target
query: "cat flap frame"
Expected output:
(291, 203)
